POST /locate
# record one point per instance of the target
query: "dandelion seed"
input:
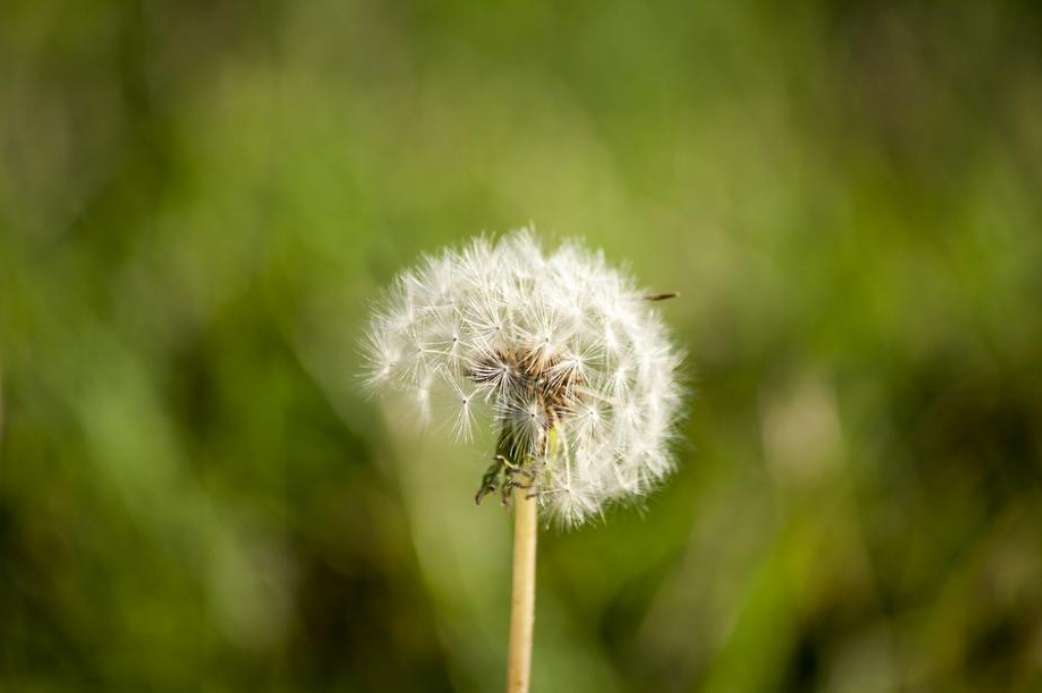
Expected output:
(565, 353)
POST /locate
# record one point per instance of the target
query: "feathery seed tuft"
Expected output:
(568, 358)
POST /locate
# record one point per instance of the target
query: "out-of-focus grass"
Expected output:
(197, 202)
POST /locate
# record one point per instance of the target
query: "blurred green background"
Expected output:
(198, 201)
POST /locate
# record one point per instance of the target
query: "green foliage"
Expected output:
(198, 201)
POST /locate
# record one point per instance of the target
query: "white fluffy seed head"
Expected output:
(559, 352)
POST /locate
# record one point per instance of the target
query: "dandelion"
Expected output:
(561, 354)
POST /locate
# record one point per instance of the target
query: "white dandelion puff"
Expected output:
(576, 370)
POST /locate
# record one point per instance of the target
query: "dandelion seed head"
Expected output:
(557, 352)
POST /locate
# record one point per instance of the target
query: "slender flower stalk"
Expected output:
(562, 355)
(522, 604)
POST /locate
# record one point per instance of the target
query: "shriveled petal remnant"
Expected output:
(559, 352)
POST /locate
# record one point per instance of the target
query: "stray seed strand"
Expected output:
(661, 297)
